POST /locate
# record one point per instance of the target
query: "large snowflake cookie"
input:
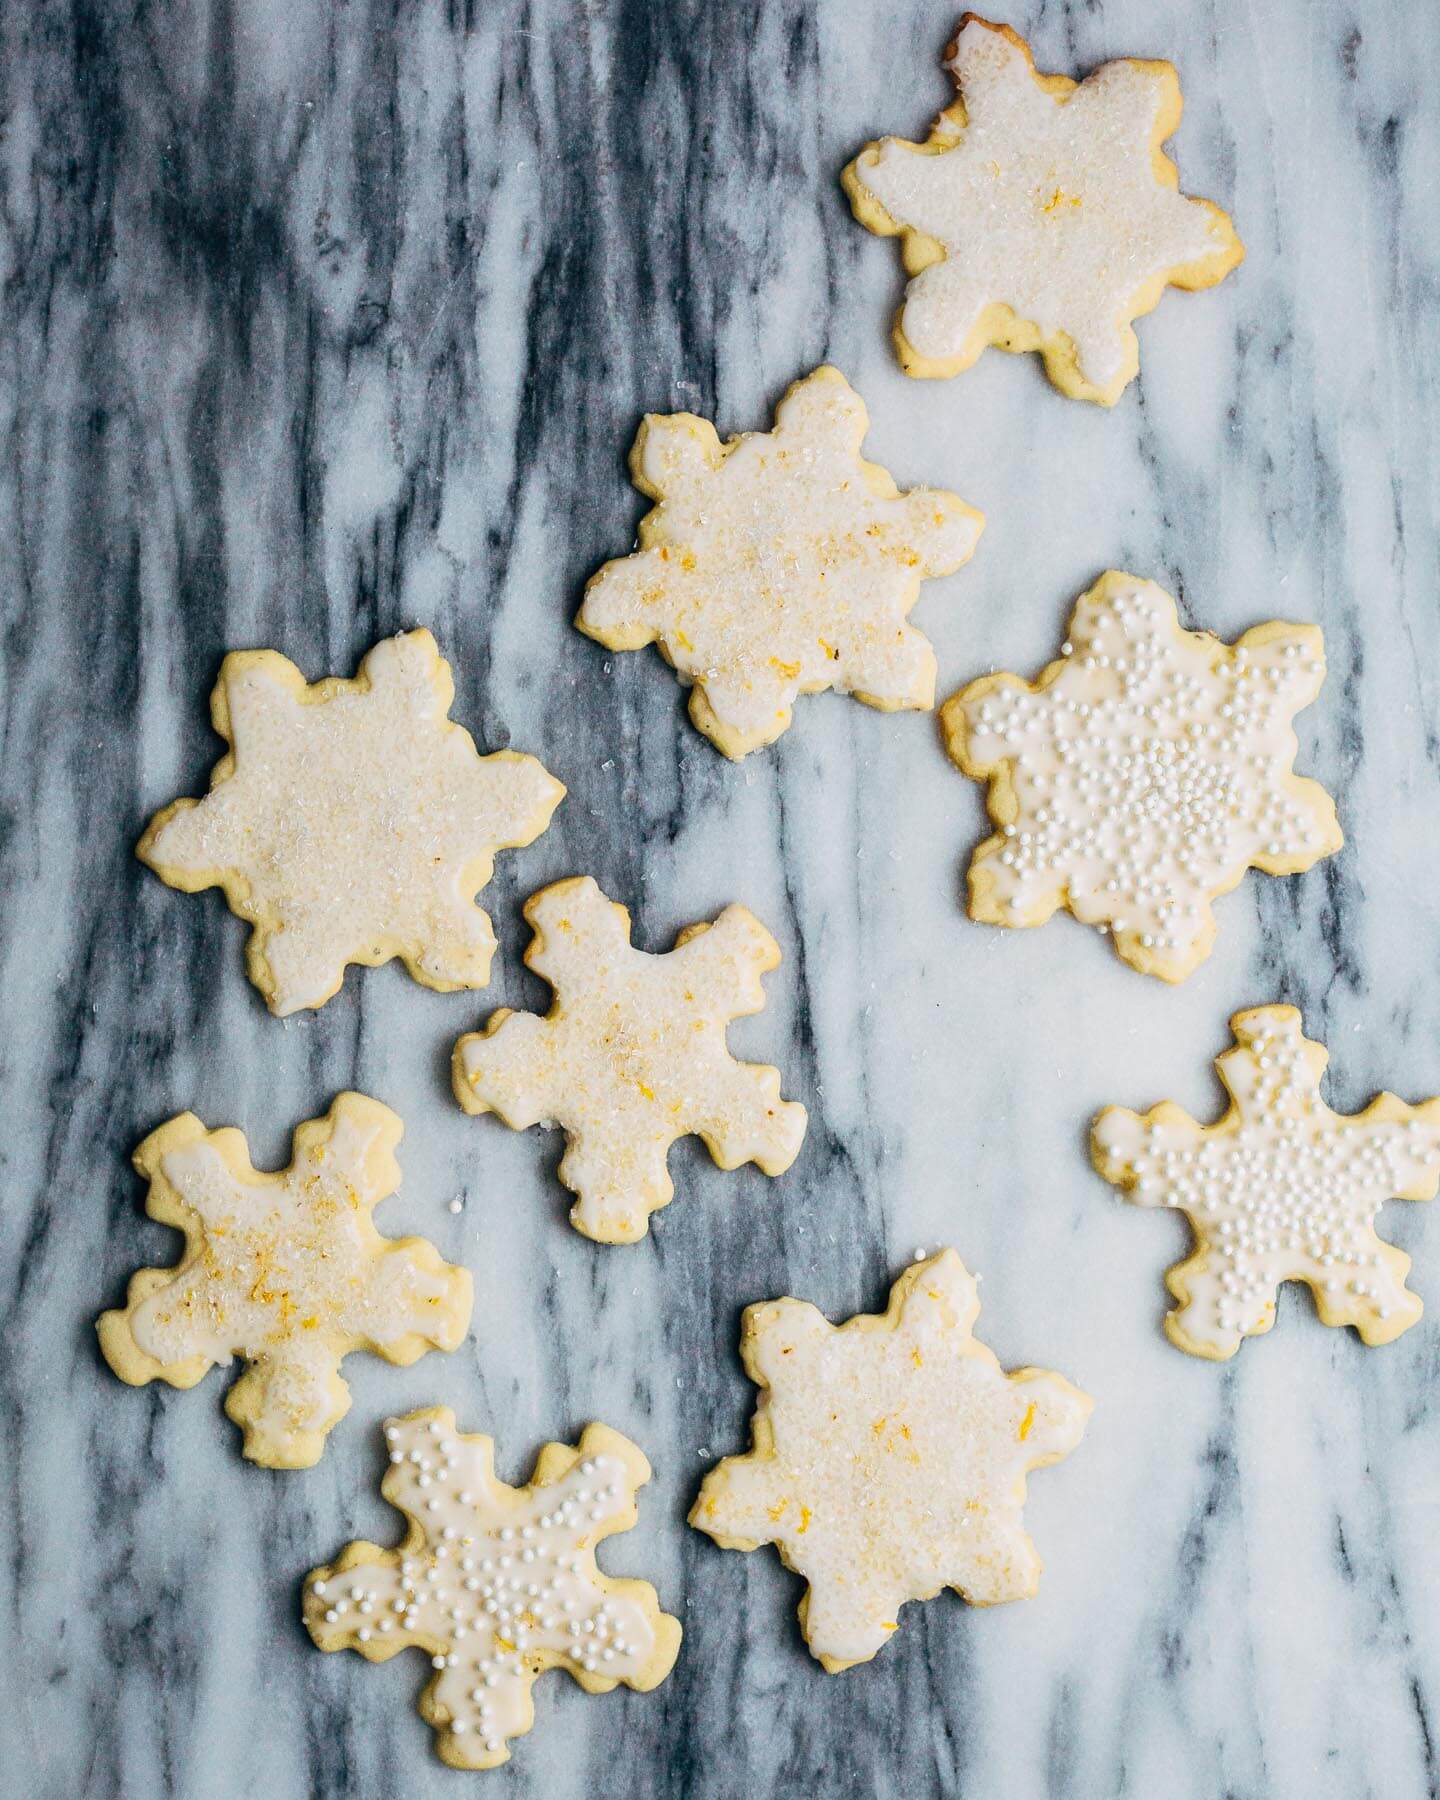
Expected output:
(1040, 215)
(285, 1271)
(1142, 774)
(779, 563)
(1281, 1189)
(352, 821)
(497, 1584)
(889, 1458)
(632, 1055)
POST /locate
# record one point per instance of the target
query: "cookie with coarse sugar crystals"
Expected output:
(1040, 214)
(351, 822)
(780, 563)
(888, 1459)
(632, 1055)
(285, 1271)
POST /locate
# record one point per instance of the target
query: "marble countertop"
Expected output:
(324, 320)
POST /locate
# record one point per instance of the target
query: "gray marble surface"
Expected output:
(323, 320)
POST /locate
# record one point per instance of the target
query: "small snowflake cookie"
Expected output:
(1040, 215)
(351, 822)
(632, 1055)
(497, 1584)
(285, 1271)
(889, 1458)
(1281, 1189)
(1142, 774)
(779, 563)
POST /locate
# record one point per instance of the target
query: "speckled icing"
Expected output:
(285, 1271)
(352, 822)
(633, 1055)
(779, 564)
(1142, 774)
(1040, 215)
(497, 1584)
(1281, 1189)
(889, 1458)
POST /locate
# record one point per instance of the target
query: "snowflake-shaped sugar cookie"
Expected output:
(889, 1458)
(1040, 215)
(285, 1271)
(1281, 1189)
(632, 1055)
(352, 821)
(780, 563)
(497, 1584)
(1142, 774)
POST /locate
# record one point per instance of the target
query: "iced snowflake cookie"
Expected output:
(779, 563)
(285, 1271)
(1142, 774)
(1281, 1189)
(888, 1458)
(632, 1055)
(497, 1584)
(1040, 215)
(351, 822)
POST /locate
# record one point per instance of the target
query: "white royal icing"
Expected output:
(497, 1583)
(633, 1055)
(285, 1271)
(889, 1458)
(1050, 204)
(1142, 774)
(353, 822)
(1282, 1189)
(779, 564)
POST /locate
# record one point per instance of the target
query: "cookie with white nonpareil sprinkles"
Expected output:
(888, 1458)
(1142, 774)
(351, 822)
(286, 1272)
(632, 1055)
(1280, 1189)
(497, 1584)
(777, 564)
(1040, 215)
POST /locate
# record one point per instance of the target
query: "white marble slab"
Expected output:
(319, 321)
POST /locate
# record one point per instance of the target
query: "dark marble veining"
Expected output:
(322, 319)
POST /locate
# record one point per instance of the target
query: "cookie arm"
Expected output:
(623, 602)
(734, 952)
(508, 1069)
(620, 1178)
(134, 1366)
(748, 1121)
(286, 1406)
